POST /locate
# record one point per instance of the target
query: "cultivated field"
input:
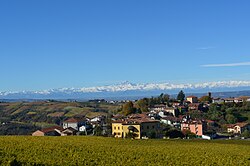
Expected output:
(109, 151)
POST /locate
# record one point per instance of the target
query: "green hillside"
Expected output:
(29, 116)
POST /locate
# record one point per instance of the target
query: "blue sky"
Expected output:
(51, 44)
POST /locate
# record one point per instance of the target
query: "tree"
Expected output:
(231, 119)
(246, 134)
(128, 108)
(174, 133)
(188, 134)
(98, 131)
(181, 96)
(214, 112)
(230, 110)
(206, 99)
(151, 134)
(163, 98)
(142, 105)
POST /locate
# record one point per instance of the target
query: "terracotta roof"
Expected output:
(237, 124)
(171, 118)
(49, 129)
(242, 124)
(118, 116)
(135, 121)
(136, 116)
(118, 121)
(210, 121)
(230, 125)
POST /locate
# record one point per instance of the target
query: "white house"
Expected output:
(172, 111)
(74, 123)
(238, 128)
(83, 129)
(172, 121)
(218, 100)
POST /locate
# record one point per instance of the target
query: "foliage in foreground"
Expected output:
(110, 151)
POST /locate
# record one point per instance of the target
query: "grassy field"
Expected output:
(109, 151)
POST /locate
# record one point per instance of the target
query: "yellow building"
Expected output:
(139, 128)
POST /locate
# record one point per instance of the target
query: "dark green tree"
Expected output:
(163, 98)
(128, 108)
(181, 96)
(98, 131)
(231, 119)
(151, 134)
(142, 105)
(246, 134)
(174, 133)
(206, 99)
(214, 112)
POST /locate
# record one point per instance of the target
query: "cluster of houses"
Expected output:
(73, 126)
(142, 125)
(148, 124)
(232, 100)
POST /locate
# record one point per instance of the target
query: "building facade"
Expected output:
(238, 128)
(139, 128)
(195, 127)
(192, 99)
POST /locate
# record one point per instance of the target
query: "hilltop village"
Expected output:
(164, 117)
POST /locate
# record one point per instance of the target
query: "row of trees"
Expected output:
(142, 105)
(226, 113)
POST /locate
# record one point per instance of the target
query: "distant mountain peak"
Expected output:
(127, 87)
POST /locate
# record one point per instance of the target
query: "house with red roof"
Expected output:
(50, 131)
(69, 132)
(238, 128)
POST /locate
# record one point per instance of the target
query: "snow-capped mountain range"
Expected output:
(126, 88)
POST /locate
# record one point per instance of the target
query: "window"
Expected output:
(147, 127)
(118, 128)
(153, 127)
(114, 128)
